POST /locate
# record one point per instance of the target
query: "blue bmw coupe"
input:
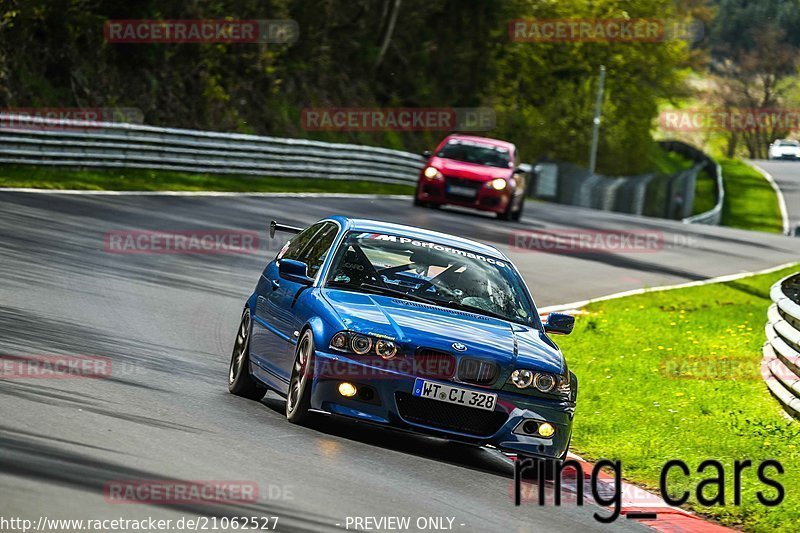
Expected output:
(409, 329)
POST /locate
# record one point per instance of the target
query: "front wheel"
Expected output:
(240, 382)
(508, 212)
(417, 201)
(517, 215)
(298, 401)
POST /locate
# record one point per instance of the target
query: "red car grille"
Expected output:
(462, 183)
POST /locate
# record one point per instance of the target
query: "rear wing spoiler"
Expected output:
(274, 226)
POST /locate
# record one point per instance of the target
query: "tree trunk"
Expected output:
(387, 36)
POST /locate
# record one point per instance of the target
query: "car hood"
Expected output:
(422, 325)
(460, 169)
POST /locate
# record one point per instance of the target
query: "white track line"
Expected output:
(781, 200)
(207, 193)
(719, 279)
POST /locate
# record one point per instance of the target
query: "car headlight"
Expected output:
(432, 173)
(340, 341)
(544, 382)
(361, 344)
(498, 184)
(522, 379)
(540, 381)
(385, 349)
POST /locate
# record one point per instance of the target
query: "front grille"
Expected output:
(448, 416)
(434, 364)
(461, 182)
(477, 371)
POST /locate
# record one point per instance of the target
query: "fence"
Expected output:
(42, 141)
(780, 366)
(648, 194)
(714, 171)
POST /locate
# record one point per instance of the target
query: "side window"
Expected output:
(295, 246)
(314, 254)
(311, 245)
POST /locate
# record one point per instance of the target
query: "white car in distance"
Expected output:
(784, 149)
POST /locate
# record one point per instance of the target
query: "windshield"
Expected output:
(789, 143)
(472, 152)
(430, 272)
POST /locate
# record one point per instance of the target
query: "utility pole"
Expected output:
(598, 108)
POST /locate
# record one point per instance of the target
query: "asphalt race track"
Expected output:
(168, 321)
(787, 176)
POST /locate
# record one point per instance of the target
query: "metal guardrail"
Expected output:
(44, 141)
(780, 366)
(714, 215)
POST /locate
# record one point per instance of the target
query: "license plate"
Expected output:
(457, 395)
(461, 191)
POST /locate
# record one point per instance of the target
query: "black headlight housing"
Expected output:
(361, 344)
(526, 380)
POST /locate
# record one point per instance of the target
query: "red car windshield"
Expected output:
(473, 152)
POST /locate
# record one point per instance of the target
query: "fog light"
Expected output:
(530, 427)
(546, 429)
(347, 389)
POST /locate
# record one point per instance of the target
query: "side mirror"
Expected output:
(426, 153)
(559, 323)
(295, 271)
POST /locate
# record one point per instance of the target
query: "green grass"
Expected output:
(675, 375)
(159, 180)
(667, 163)
(750, 203)
(705, 193)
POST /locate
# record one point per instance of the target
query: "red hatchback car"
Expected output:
(473, 172)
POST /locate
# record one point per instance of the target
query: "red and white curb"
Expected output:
(655, 513)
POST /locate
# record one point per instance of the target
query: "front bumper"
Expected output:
(392, 404)
(486, 199)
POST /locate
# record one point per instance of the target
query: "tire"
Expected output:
(517, 215)
(508, 213)
(298, 398)
(240, 382)
(417, 201)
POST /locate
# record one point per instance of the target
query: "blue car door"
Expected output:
(273, 339)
